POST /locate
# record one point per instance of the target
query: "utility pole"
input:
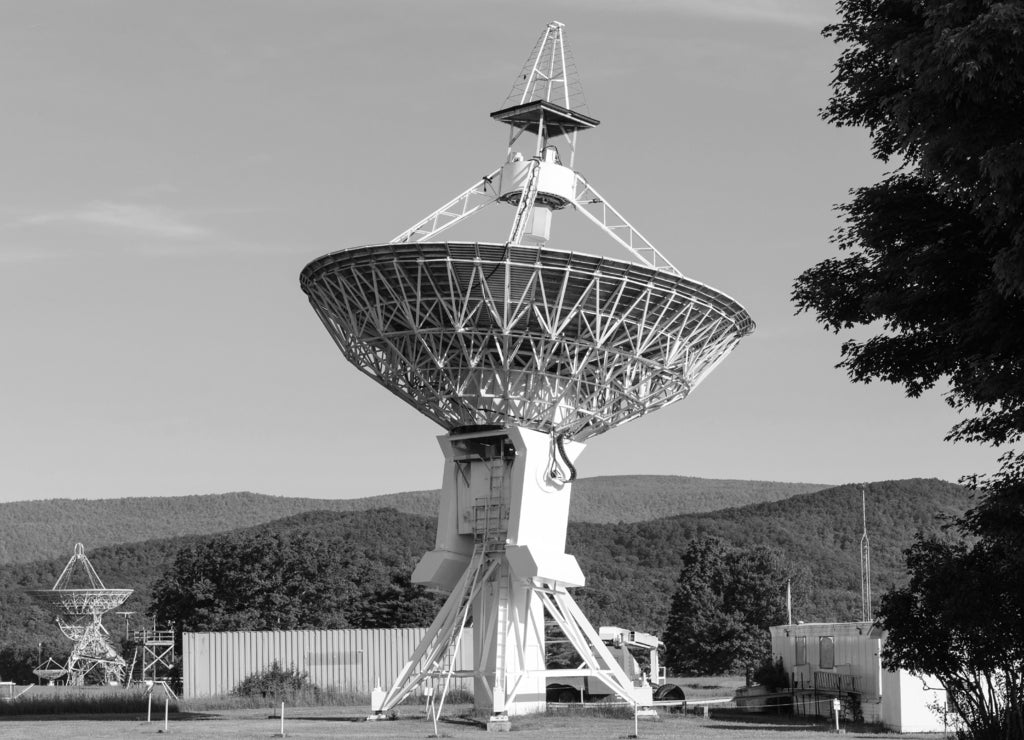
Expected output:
(127, 616)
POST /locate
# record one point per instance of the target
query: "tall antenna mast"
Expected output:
(866, 611)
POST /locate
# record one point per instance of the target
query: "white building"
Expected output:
(829, 660)
(352, 660)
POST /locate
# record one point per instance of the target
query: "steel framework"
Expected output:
(521, 352)
(472, 333)
(80, 618)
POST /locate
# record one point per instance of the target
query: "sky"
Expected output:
(169, 168)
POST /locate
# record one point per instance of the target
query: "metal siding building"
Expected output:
(826, 660)
(214, 663)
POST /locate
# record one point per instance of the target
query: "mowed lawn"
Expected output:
(347, 722)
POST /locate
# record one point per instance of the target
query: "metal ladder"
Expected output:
(525, 206)
(501, 633)
(491, 516)
(494, 538)
(131, 671)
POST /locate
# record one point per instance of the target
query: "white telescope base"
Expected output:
(500, 552)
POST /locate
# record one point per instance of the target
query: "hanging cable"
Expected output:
(559, 442)
(555, 472)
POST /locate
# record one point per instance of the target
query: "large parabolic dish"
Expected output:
(521, 352)
(481, 334)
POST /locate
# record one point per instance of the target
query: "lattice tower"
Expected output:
(521, 352)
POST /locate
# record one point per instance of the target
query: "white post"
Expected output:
(789, 601)
(282, 719)
(835, 710)
(166, 704)
(149, 708)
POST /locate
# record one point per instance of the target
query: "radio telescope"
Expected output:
(521, 352)
(80, 617)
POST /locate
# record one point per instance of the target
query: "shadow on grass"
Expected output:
(726, 720)
(361, 717)
(111, 717)
(322, 718)
(732, 720)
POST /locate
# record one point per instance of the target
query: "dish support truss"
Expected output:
(500, 553)
(521, 181)
(92, 651)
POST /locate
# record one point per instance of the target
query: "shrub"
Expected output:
(276, 681)
(771, 675)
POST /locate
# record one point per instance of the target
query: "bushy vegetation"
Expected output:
(277, 682)
(772, 675)
(351, 572)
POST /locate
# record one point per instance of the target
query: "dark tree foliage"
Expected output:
(961, 616)
(294, 578)
(257, 580)
(935, 252)
(946, 624)
(935, 259)
(724, 603)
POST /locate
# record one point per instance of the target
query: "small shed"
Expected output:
(842, 660)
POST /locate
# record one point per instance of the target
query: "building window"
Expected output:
(801, 651)
(826, 653)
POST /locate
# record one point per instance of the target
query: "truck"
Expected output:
(577, 689)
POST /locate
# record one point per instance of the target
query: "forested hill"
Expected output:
(631, 568)
(36, 530)
(387, 542)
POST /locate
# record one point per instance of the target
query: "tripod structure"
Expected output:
(521, 352)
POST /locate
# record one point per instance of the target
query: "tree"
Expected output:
(934, 268)
(256, 580)
(935, 627)
(278, 580)
(724, 603)
(936, 250)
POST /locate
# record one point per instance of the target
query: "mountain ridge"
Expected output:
(631, 569)
(35, 530)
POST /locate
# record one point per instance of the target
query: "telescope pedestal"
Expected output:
(500, 552)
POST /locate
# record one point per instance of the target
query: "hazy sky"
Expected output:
(169, 168)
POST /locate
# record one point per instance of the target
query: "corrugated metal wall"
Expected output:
(214, 663)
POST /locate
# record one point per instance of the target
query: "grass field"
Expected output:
(226, 718)
(347, 722)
